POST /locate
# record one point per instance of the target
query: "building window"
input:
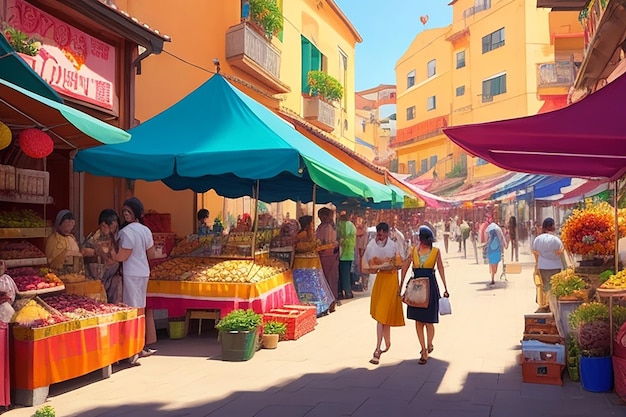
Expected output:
(480, 162)
(493, 41)
(312, 60)
(460, 91)
(493, 87)
(412, 168)
(410, 113)
(410, 79)
(432, 162)
(432, 68)
(431, 104)
(423, 166)
(343, 76)
(460, 59)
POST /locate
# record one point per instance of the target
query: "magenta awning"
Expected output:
(431, 200)
(586, 139)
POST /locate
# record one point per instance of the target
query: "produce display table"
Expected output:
(46, 355)
(179, 296)
(610, 293)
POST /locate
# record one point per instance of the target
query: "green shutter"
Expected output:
(306, 63)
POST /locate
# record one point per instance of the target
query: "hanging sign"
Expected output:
(72, 62)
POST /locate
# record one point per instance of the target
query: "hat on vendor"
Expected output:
(425, 234)
(61, 216)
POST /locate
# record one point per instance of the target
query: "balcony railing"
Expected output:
(478, 6)
(251, 52)
(556, 74)
(319, 113)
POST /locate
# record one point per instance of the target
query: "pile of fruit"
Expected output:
(21, 218)
(227, 271)
(617, 281)
(566, 284)
(76, 307)
(591, 231)
(29, 313)
(184, 247)
(173, 269)
(19, 250)
(29, 279)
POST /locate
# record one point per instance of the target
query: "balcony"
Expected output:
(562, 5)
(319, 113)
(555, 77)
(254, 54)
(479, 6)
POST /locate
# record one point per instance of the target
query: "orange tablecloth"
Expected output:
(46, 355)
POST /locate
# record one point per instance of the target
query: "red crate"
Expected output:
(300, 320)
(158, 222)
(541, 372)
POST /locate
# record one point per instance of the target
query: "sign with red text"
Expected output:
(74, 63)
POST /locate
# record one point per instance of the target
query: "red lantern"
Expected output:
(36, 143)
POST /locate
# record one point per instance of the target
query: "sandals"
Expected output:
(376, 357)
(431, 348)
(386, 348)
(423, 359)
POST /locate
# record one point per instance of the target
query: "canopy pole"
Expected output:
(256, 220)
(314, 198)
(616, 231)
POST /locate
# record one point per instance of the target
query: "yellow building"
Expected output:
(316, 35)
(372, 132)
(480, 68)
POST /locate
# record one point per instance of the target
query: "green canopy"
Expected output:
(16, 71)
(219, 138)
(69, 128)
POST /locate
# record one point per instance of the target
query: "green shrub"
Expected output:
(239, 321)
(45, 411)
(587, 313)
(267, 15)
(274, 327)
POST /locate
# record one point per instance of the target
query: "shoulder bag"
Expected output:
(417, 292)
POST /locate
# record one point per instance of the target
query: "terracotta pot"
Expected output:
(270, 341)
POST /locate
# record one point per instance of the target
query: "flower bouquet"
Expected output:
(591, 231)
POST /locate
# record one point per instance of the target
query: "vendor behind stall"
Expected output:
(203, 222)
(61, 245)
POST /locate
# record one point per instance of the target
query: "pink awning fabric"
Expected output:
(586, 139)
(484, 189)
(431, 200)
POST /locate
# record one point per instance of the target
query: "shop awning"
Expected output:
(16, 71)
(482, 190)
(586, 139)
(431, 200)
(69, 128)
(219, 138)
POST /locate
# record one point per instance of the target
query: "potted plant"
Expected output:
(568, 292)
(266, 15)
(238, 334)
(591, 322)
(324, 86)
(272, 330)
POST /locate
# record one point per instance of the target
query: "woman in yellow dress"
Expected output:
(62, 246)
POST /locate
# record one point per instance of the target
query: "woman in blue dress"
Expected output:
(425, 258)
(495, 247)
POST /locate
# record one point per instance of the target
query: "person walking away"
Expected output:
(464, 230)
(446, 233)
(495, 246)
(513, 238)
(346, 232)
(327, 234)
(360, 245)
(547, 249)
(135, 248)
(385, 302)
(98, 249)
(425, 257)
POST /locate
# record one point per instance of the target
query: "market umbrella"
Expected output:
(586, 139)
(219, 138)
(69, 128)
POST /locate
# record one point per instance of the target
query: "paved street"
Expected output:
(472, 372)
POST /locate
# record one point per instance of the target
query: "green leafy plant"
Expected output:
(324, 86)
(21, 42)
(274, 327)
(267, 15)
(45, 411)
(604, 276)
(566, 284)
(240, 321)
(587, 313)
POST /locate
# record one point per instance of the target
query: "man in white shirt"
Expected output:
(547, 248)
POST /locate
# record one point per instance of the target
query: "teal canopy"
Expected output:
(219, 138)
(16, 71)
(69, 128)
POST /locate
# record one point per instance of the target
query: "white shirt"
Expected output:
(374, 249)
(137, 238)
(547, 245)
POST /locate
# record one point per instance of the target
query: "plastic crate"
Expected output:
(300, 320)
(541, 372)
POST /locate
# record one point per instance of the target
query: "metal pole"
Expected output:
(256, 221)
(616, 231)
(314, 198)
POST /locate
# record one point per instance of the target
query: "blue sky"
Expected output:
(388, 27)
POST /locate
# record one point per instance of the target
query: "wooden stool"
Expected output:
(201, 314)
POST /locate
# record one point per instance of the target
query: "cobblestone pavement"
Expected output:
(474, 370)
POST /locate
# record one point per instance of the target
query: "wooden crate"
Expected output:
(299, 319)
(542, 372)
(540, 323)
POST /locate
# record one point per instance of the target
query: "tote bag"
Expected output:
(417, 293)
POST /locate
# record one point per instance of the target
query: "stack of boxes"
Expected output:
(543, 350)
